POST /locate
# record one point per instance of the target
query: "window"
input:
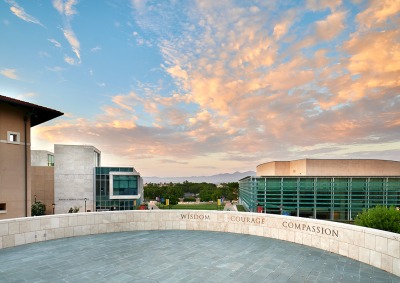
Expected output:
(13, 137)
(50, 160)
(124, 185)
(3, 208)
(96, 159)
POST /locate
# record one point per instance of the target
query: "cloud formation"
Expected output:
(10, 73)
(20, 13)
(67, 10)
(255, 83)
(55, 42)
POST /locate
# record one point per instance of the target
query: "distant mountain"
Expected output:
(216, 179)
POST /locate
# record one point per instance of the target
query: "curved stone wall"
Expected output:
(378, 248)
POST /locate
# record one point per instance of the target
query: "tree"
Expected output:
(173, 194)
(38, 208)
(230, 190)
(216, 194)
(152, 191)
(206, 191)
(205, 194)
(380, 217)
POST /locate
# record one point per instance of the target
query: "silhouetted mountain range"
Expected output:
(216, 179)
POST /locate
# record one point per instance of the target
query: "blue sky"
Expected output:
(182, 88)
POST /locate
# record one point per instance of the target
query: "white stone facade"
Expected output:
(74, 177)
(40, 157)
(378, 248)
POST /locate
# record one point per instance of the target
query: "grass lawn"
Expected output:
(200, 206)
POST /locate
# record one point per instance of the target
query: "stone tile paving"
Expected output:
(179, 256)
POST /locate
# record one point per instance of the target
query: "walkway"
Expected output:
(152, 205)
(230, 207)
(179, 256)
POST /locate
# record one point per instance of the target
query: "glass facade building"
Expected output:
(117, 188)
(334, 198)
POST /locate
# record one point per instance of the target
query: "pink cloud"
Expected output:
(10, 73)
(315, 5)
(250, 88)
(331, 26)
(378, 12)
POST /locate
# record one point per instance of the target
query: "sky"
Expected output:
(191, 88)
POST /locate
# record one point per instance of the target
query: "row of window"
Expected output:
(323, 198)
(107, 170)
(110, 205)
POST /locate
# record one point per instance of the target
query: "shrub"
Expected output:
(38, 208)
(189, 199)
(380, 217)
(240, 208)
(74, 210)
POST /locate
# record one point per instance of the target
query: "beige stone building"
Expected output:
(16, 119)
(72, 177)
(330, 167)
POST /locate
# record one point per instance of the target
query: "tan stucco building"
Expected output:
(16, 119)
(42, 178)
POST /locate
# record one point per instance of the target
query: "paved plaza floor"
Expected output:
(179, 256)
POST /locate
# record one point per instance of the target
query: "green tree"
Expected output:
(38, 208)
(206, 191)
(173, 193)
(216, 194)
(230, 190)
(152, 191)
(380, 217)
(205, 194)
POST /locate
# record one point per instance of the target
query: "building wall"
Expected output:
(334, 198)
(40, 157)
(377, 248)
(297, 168)
(282, 168)
(274, 168)
(330, 167)
(266, 169)
(43, 186)
(13, 191)
(74, 176)
(352, 167)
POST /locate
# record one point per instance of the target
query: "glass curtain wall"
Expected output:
(335, 198)
(247, 193)
(272, 192)
(306, 187)
(123, 183)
